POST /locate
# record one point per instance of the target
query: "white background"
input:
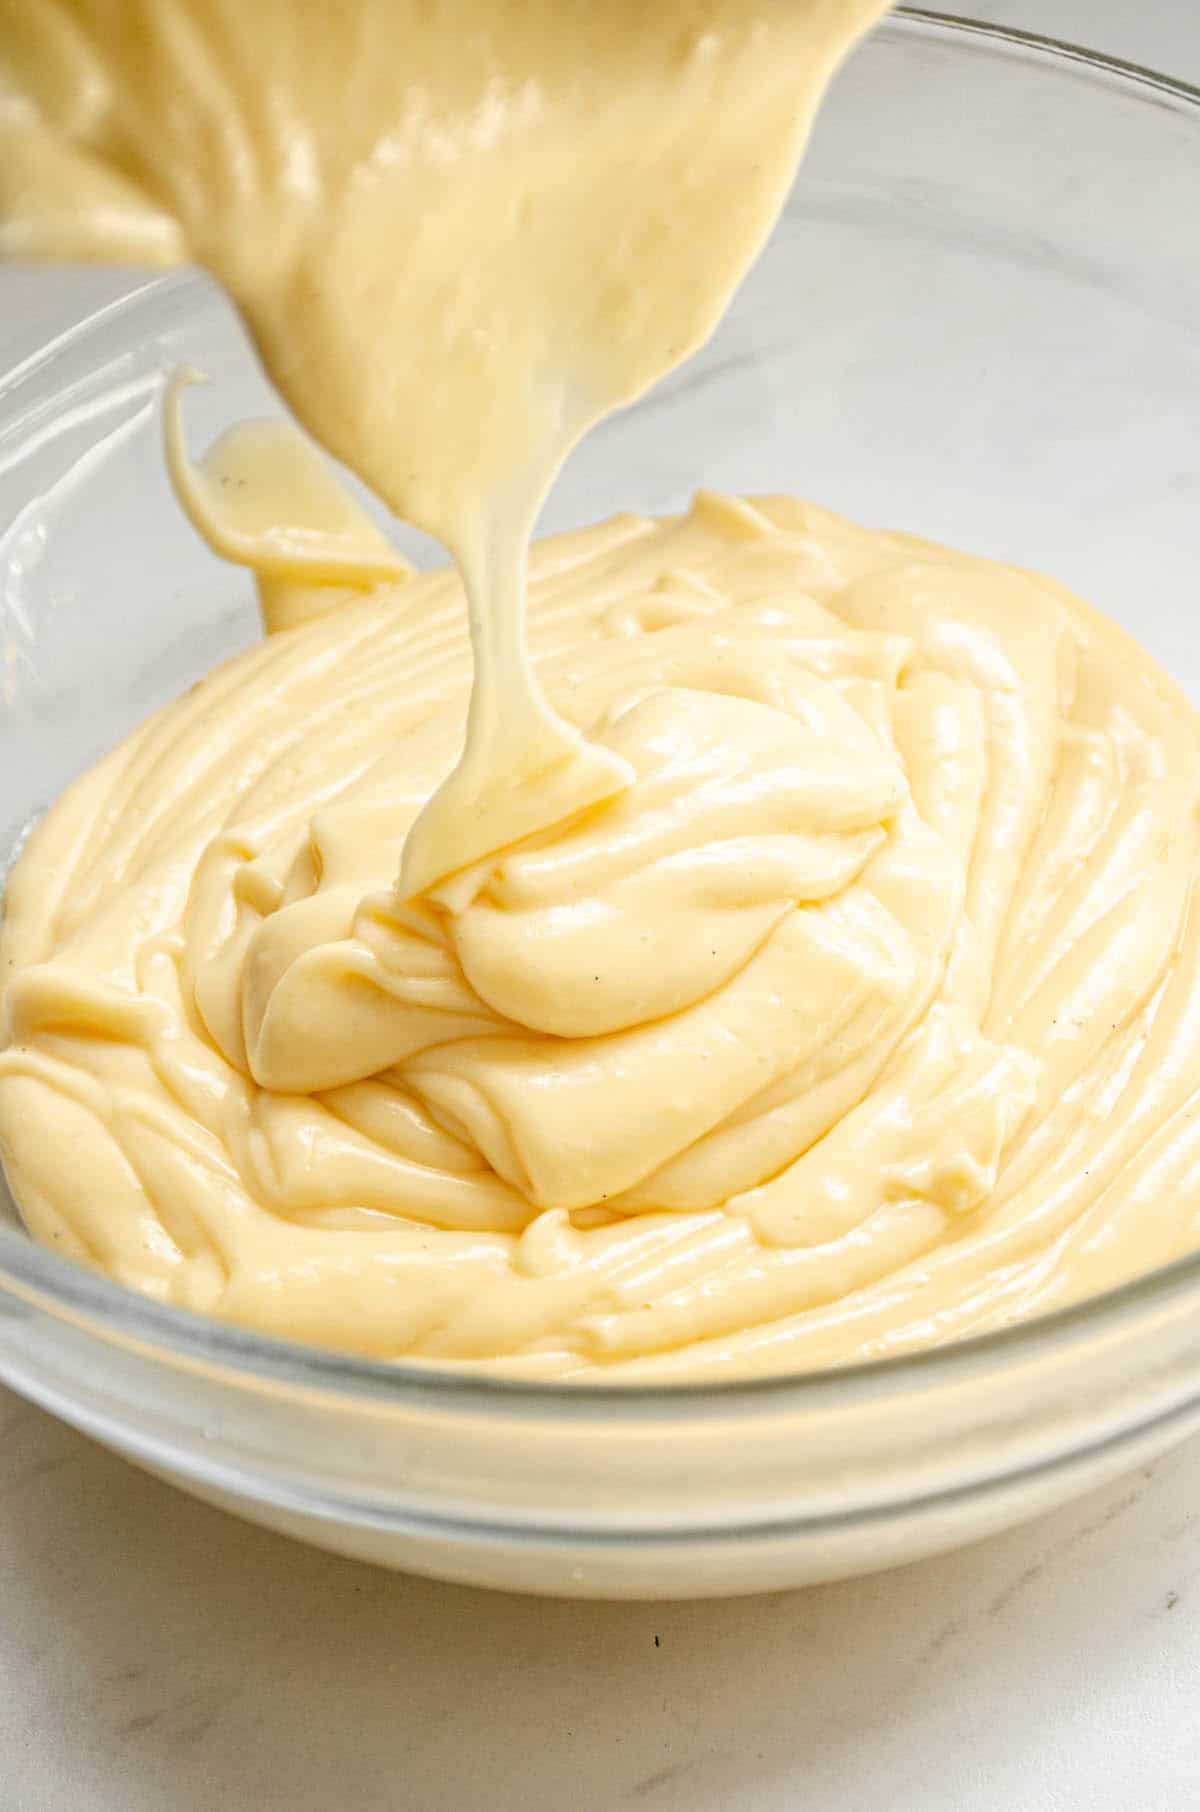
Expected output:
(156, 1655)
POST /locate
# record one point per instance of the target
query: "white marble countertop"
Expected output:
(156, 1656)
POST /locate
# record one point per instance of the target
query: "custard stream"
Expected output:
(793, 964)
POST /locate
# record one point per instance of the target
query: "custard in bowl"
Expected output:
(641, 1483)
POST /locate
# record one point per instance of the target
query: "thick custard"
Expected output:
(792, 963)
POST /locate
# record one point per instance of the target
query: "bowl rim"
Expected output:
(44, 1280)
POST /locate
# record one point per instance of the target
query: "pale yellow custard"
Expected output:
(461, 232)
(797, 965)
(867, 1016)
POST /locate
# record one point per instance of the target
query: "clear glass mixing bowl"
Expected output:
(979, 319)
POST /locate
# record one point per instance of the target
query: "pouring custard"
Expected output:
(791, 962)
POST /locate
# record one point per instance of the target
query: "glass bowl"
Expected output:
(979, 319)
